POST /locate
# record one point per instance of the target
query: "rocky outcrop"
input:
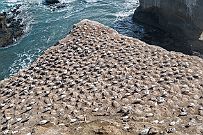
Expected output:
(51, 1)
(10, 27)
(181, 17)
(96, 81)
(55, 4)
(5, 34)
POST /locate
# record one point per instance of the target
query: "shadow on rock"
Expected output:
(152, 35)
(183, 21)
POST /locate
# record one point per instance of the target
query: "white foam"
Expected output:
(23, 60)
(190, 4)
(129, 6)
(131, 3)
(91, 1)
(67, 1)
(12, 1)
(33, 1)
(23, 1)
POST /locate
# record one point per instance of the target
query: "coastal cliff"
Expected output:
(181, 17)
(96, 81)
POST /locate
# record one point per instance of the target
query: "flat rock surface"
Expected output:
(96, 81)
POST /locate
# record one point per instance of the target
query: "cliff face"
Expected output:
(182, 17)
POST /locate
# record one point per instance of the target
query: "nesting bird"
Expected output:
(96, 73)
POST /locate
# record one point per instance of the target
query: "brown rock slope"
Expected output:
(96, 81)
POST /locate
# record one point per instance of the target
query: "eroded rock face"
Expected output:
(10, 27)
(181, 17)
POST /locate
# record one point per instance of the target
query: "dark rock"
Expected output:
(5, 33)
(182, 18)
(51, 2)
(54, 4)
(10, 28)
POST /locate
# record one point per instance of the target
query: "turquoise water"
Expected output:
(46, 25)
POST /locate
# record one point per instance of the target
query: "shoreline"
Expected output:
(98, 81)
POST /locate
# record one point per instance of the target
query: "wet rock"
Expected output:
(51, 1)
(10, 28)
(55, 4)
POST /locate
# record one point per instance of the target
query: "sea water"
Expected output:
(46, 25)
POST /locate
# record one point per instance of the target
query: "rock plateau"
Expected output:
(96, 81)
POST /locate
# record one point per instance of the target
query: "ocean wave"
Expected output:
(24, 59)
(129, 6)
(67, 1)
(23, 1)
(91, 1)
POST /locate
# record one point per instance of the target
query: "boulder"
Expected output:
(183, 18)
(5, 33)
(51, 1)
(10, 28)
